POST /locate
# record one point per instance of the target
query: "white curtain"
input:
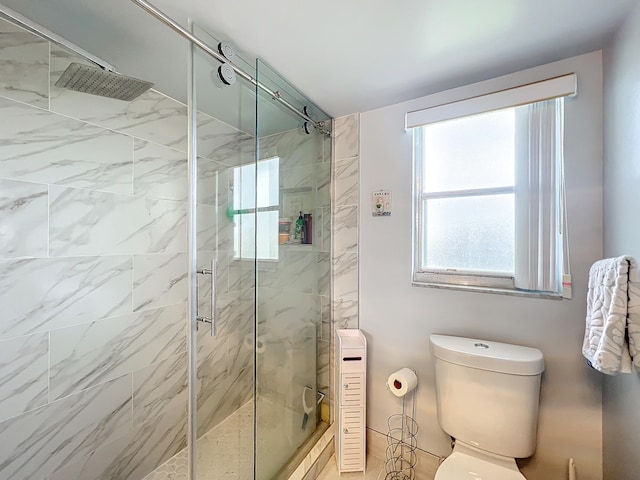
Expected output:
(539, 196)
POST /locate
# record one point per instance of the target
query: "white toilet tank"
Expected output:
(487, 393)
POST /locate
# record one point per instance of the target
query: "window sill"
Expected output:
(496, 291)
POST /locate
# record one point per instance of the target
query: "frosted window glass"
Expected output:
(264, 244)
(244, 234)
(470, 152)
(265, 194)
(267, 236)
(244, 187)
(470, 233)
(268, 182)
(257, 190)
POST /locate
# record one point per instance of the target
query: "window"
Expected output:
(488, 193)
(256, 201)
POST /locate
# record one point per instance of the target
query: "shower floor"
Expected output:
(226, 451)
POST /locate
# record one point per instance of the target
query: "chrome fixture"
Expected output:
(211, 319)
(322, 127)
(103, 81)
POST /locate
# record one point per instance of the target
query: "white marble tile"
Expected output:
(23, 219)
(216, 404)
(24, 363)
(160, 388)
(214, 180)
(159, 171)
(345, 229)
(322, 173)
(323, 273)
(288, 315)
(24, 66)
(347, 181)
(92, 353)
(346, 136)
(345, 313)
(327, 145)
(223, 143)
(38, 442)
(84, 222)
(323, 365)
(235, 312)
(298, 271)
(326, 309)
(298, 177)
(224, 227)
(242, 275)
(133, 455)
(345, 276)
(326, 229)
(152, 116)
(42, 294)
(317, 458)
(44, 147)
(293, 148)
(206, 229)
(159, 279)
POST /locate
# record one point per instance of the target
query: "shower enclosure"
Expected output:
(260, 170)
(164, 272)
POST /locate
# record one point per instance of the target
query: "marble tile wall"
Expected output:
(293, 295)
(93, 285)
(225, 362)
(344, 233)
(92, 274)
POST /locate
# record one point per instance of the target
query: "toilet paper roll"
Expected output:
(402, 382)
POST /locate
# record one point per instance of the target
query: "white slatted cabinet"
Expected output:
(351, 365)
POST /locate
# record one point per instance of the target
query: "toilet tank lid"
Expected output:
(487, 355)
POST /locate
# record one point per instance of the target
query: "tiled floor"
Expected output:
(226, 452)
(375, 471)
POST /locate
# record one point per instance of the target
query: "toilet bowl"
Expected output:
(469, 463)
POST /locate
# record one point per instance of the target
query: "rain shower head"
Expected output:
(98, 81)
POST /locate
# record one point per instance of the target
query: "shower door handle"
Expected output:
(211, 320)
(214, 298)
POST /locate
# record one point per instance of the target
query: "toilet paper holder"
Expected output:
(402, 435)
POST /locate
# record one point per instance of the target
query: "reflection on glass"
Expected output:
(256, 193)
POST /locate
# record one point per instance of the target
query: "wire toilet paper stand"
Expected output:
(402, 442)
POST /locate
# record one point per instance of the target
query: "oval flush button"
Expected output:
(481, 345)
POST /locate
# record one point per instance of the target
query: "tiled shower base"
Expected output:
(225, 452)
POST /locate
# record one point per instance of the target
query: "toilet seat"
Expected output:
(471, 464)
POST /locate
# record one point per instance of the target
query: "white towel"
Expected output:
(605, 345)
(633, 318)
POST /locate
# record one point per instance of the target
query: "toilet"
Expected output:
(487, 398)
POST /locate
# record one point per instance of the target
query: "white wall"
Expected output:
(621, 412)
(398, 318)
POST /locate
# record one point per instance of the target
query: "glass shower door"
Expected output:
(260, 384)
(225, 259)
(293, 177)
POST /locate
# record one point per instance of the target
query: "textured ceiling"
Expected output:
(346, 55)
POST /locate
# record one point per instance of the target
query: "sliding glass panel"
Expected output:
(293, 263)
(225, 235)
